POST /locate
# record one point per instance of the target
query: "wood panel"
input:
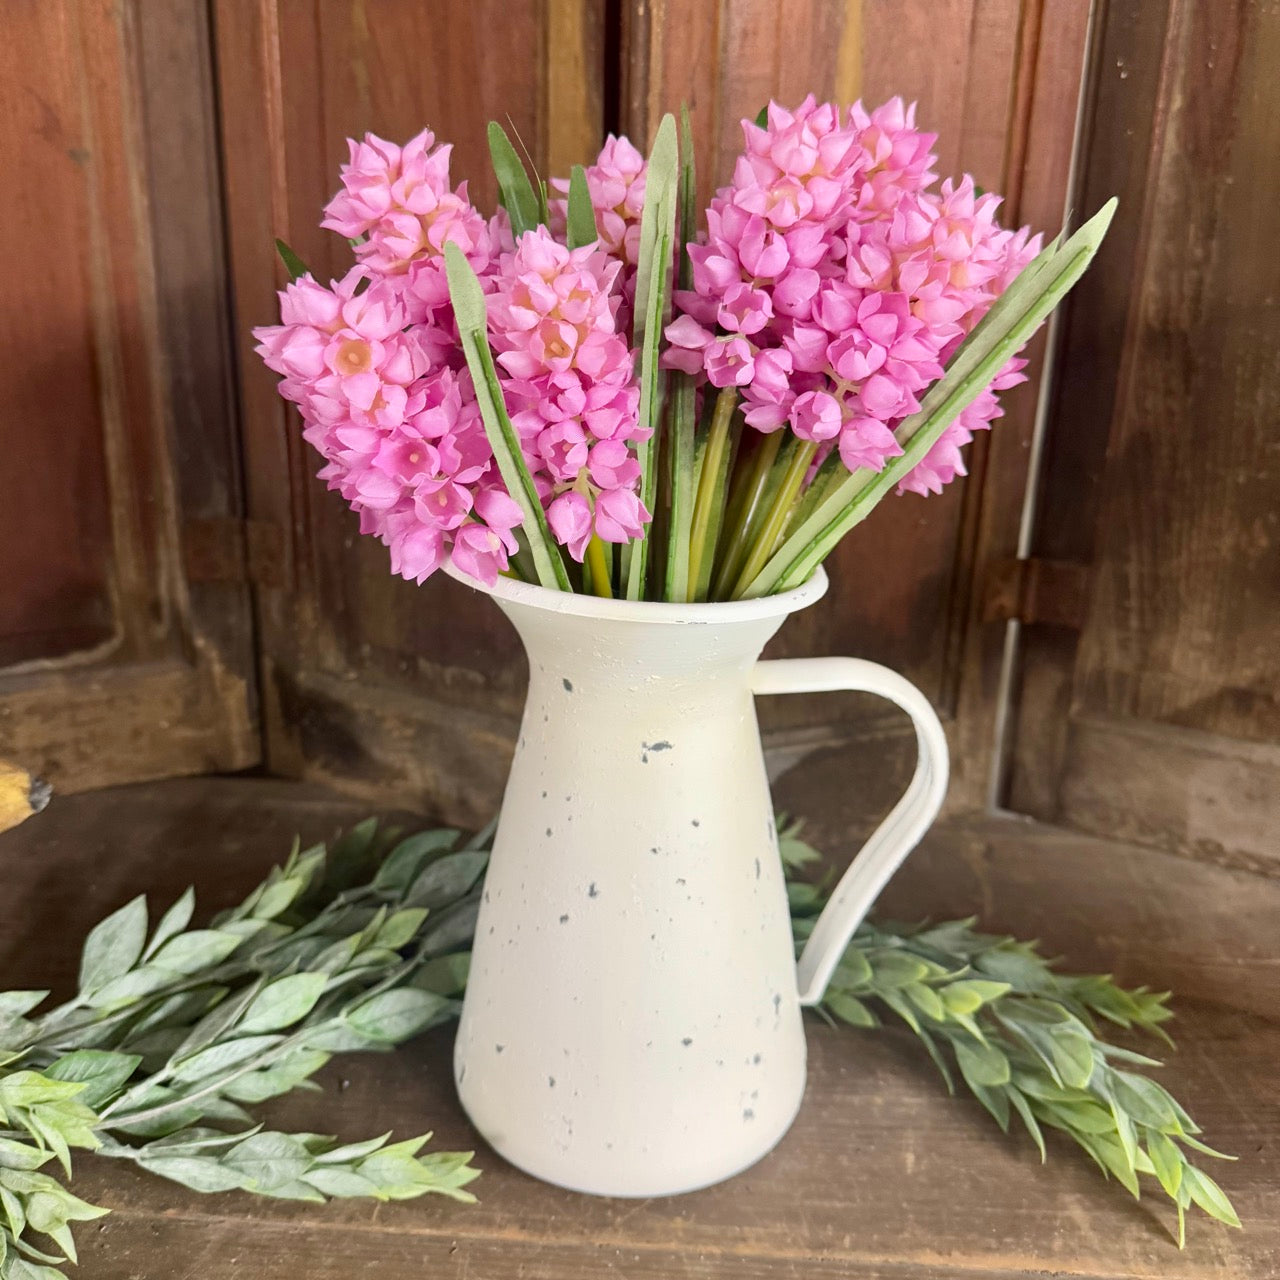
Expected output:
(53, 552)
(999, 81)
(118, 409)
(883, 1176)
(1161, 454)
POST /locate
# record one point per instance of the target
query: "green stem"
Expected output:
(598, 568)
(830, 474)
(776, 520)
(709, 487)
(743, 513)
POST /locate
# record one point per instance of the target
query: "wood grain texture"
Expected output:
(884, 1176)
(1161, 448)
(54, 558)
(122, 420)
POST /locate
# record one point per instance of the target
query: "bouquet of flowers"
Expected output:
(588, 391)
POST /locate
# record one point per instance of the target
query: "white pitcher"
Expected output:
(632, 1021)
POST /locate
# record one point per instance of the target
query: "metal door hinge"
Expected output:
(224, 549)
(1055, 592)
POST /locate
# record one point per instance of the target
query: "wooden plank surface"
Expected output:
(882, 1177)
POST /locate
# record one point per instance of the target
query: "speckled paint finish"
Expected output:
(632, 1023)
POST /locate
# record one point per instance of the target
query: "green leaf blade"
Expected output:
(293, 264)
(467, 296)
(581, 223)
(518, 197)
(114, 945)
(653, 291)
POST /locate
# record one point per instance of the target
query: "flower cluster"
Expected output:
(833, 284)
(570, 387)
(375, 365)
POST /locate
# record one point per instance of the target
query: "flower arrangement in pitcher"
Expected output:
(587, 391)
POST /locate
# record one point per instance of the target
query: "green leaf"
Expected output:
(198, 1173)
(1111, 1156)
(221, 1057)
(401, 928)
(396, 1015)
(283, 1002)
(653, 286)
(854, 970)
(517, 194)
(893, 969)
(447, 879)
(293, 264)
(1013, 318)
(850, 1009)
(342, 1184)
(445, 975)
(200, 949)
(1073, 1056)
(968, 995)
(278, 897)
(269, 1160)
(352, 1151)
(173, 922)
(1196, 1145)
(581, 228)
(13, 1004)
(114, 945)
(1145, 1101)
(995, 1100)
(1167, 1162)
(220, 1019)
(762, 118)
(102, 1073)
(470, 312)
(1023, 1108)
(982, 1064)
(925, 999)
(129, 987)
(290, 1072)
(682, 409)
(1209, 1196)
(407, 859)
(190, 1141)
(1079, 1117)
(31, 1089)
(19, 1155)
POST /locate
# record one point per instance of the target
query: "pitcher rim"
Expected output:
(511, 591)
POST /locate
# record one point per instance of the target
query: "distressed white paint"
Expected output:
(632, 1019)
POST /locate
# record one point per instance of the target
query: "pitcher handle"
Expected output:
(897, 835)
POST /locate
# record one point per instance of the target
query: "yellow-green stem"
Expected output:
(776, 520)
(598, 568)
(704, 507)
(744, 510)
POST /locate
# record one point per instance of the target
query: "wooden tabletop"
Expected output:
(883, 1177)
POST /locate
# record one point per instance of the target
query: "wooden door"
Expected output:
(1156, 718)
(125, 642)
(413, 692)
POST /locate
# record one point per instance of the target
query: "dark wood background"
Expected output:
(181, 596)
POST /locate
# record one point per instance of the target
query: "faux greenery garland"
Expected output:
(175, 1032)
